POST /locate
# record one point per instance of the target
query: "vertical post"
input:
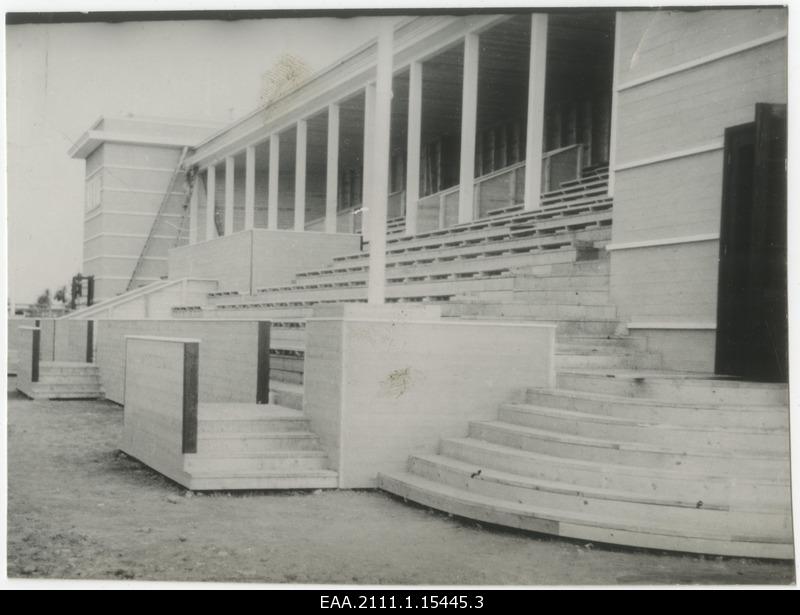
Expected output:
(612, 137)
(300, 176)
(413, 148)
(368, 163)
(90, 341)
(193, 207)
(230, 166)
(332, 168)
(376, 291)
(274, 172)
(90, 290)
(36, 344)
(250, 188)
(191, 358)
(535, 128)
(262, 362)
(469, 123)
(211, 193)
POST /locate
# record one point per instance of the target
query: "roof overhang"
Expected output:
(92, 139)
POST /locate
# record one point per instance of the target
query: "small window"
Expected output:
(94, 187)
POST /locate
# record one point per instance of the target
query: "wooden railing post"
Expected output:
(262, 362)
(191, 357)
(90, 341)
(35, 348)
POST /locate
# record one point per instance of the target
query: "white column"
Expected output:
(332, 183)
(368, 164)
(469, 121)
(413, 147)
(250, 188)
(229, 169)
(274, 172)
(376, 291)
(193, 209)
(211, 193)
(612, 134)
(300, 176)
(535, 129)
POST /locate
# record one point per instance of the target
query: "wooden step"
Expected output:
(576, 525)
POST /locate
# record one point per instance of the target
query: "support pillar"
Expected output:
(250, 188)
(229, 171)
(414, 146)
(376, 291)
(194, 198)
(535, 128)
(300, 176)
(469, 121)
(332, 183)
(368, 164)
(211, 193)
(274, 172)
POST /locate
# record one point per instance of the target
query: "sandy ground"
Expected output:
(80, 509)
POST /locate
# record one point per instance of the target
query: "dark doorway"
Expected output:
(752, 325)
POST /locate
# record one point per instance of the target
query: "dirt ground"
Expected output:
(80, 509)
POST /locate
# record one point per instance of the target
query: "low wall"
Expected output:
(70, 340)
(27, 366)
(229, 365)
(160, 421)
(379, 388)
(14, 340)
(256, 258)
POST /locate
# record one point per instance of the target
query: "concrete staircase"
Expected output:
(249, 446)
(66, 380)
(644, 459)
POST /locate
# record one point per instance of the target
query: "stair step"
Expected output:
(634, 430)
(575, 525)
(607, 503)
(629, 360)
(254, 462)
(701, 389)
(652, 410)
(735, 492)
(628, 453)
(304, 479)
(256, 442)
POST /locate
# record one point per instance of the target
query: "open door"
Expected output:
(752, 317)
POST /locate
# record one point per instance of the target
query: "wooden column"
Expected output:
(229, 170)
(612, 137)
(274, 172)
(332, 169)
(535, 131)
(469, 119)
(368, 163)
(376, 291)
(194, 223)
(414, 146)
(300, 176)
(250, 188)
(211, 193)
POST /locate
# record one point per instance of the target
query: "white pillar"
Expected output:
(274, 172)
(413, 148)
(211, 193)
(300, 176)
(332, 183)
(193, 209)
(229, 169)
(535, 129)
(250, 188)
(368, 164)
(376, 291)
(612, 135)
(469, 121)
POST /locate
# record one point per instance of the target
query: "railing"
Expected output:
(499, 189)
(352, 219)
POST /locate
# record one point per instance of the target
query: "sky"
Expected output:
(61, 77)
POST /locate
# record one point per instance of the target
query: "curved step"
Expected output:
(577, 525)
(630, 453)
(635, 430)
(653, 410)
(657, 509)
(717, 491)
(679, 388)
